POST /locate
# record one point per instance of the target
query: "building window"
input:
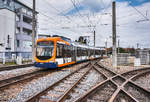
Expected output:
(8, 4)
(18, 43)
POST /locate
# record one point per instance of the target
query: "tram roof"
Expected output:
(76, 44)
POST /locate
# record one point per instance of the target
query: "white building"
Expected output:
(7, 30)
(15, 29)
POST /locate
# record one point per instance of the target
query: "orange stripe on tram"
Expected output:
(61, 65)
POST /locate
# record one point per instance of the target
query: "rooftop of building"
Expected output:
(21, 3)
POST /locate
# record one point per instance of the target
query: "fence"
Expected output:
(144, 56)
(11, 56)
(123, 58)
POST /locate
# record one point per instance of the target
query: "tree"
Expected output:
(82, 40)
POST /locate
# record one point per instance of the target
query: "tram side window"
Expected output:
(64, 51)
(84, 52)
(88, 52)
(102, 52)
(67, 51)
(97, 52)
(79, 51)
(59, 52)
(71, 51)
(92, 52)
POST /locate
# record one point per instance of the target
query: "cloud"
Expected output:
(93, 6)
(131, 26)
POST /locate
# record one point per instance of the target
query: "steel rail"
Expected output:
(65, 95)
(105, 76)
(128, 95)
(114, 74)
(5, 68)
(106, 68)
(120, 88)
(90, 91)
(36, 96)
(10, 81)
(109, 79)
(62, 98)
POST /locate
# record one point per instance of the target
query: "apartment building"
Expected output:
(15, 29)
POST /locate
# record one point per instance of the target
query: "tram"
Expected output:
(56, 52)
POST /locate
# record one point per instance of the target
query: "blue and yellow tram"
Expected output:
(54, 52)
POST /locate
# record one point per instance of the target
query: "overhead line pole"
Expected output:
(114, 50)
(94, 41)
(106, 46)
(94, 38)
(118, 46)
(33, 30)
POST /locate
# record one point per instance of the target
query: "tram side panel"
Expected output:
(66, 55)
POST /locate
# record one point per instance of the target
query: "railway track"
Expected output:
(94, 83)
(4, 83)
(13, 80)
(11, 86)
(119, 87)
(19, 82)
(88, 81)
(5, 68)
(143, 80)
(70, 87)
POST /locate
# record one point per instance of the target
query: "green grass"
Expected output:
(26, 61)
(131, 64)
(14, 63)
(9, 63)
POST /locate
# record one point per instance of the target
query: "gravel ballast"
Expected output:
(41, 84)
(90, 80)
(17, 72)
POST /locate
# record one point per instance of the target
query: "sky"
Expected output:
(74, 18)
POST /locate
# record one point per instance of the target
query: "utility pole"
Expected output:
(94, 38)
(137, 45)
(114, 50)
(33, 30)
(106, 46)
(94, 42)
(118, 45)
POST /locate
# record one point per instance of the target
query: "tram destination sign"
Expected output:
(45, 43)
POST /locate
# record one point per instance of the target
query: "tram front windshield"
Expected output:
(45, 50)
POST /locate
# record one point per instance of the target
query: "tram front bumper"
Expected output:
(46, 65)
